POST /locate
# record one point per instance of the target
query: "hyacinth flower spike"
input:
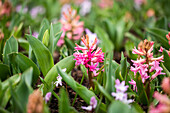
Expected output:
(146, 64)
(89, 57)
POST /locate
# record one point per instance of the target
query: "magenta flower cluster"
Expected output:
(88, 55)
(120, 92)
(146, 63)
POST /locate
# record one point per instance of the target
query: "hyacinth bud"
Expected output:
(35, 102)
(1, 35)
(146, 45)
(166, 85)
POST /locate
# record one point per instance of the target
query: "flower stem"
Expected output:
(90, 78)
(147, 82)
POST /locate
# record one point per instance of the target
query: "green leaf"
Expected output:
(81, 90)
(41, 32)
(109, 72)
(23, 62)
(57, 28)
(136, 108)
(160, 36)
(123, 68)
(23, 43)
(118, 107)
(42, 54)
(105, 42)
(141, 90)
(4, 70)
(45, 39)
(67, 63)
(21, 93)
(6, 94)
(69, 43)
(120, 29)
(103, 91)
(64, 103)
(3, 110)
(10, 46)
(51, 40)
(166, 60)
(57, 37)
(165, 70)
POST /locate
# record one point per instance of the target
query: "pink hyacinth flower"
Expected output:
(88, 56)
(93, 104)
(47, 97)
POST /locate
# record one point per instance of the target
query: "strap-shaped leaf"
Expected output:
(10, 46)
(21, 93)
(118, 107)
(166, 60)
(64, 103)
(106, 43)
(23, 62)
(42, 54)
(141, 90)
(6, 94)
(4, 70)
(67, 63)
(160, 36)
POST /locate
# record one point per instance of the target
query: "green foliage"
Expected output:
(23, 63)
(141, 91)
(105, 43)
(166, 60)
(67, 63)
(10, 46)
(117, 107)
(159, 35)
(42, 54)
(21, 93)
(4, 70)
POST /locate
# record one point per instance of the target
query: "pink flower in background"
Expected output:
(85, 7)
(37, 10)
(163, 99)
(138, 3)
(47, 97)
(71, 26)
(166, 85)
(106, 3)
(35, 34)
(148, 63)
(93, 104)
(120, 87)
(120, 92)
(88, 56)
(19, 8)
